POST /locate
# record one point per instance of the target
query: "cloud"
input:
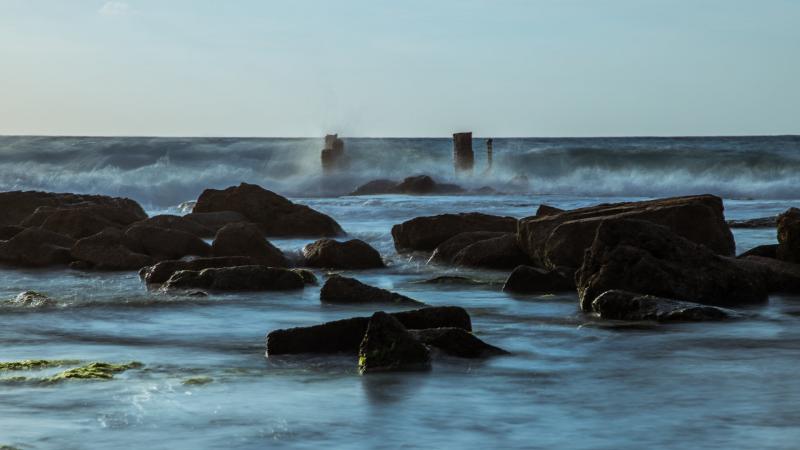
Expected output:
(115, 8)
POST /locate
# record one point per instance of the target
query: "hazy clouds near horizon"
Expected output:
(392, 68)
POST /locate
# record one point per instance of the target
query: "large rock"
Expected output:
(239, 278)
(425, 233)
(789, 235)
(36, 247)
(9, 231)
(767, 251)
(388, 346)
(247, 239)
(339, 289)
(276, 215)
(534, 280)
(18, 205)
(214, 221)
(559, 240)
(416, 185)
(456, 342)
(779, 276)
(352, 254)
(623, 305)
(80, 221)
(640, 256)
(377, 187)
(106, 251)
(160, 272)
(180, 223)
(496, 253)
(444, 252)
(346, 335)
(547, 210)
(163, 243)
(759, 222)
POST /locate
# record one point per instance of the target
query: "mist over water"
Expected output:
(162, 172)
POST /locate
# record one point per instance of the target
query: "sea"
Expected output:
(572, 381)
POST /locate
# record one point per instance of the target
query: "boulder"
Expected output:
(388, 346)
(496, 253)
(779, 276)
(415, 185)
(456, 342)
(307, 276)
(641, 256)
(767, 251)
(559, 240)
(19, 205)
(377, 187)
(163, 243)
(9, 231)
(106, 251)
(161, 271)
(239, 278)
(623, 305)
(346, 335)
(214, 221)
(426, 233)
(547, 210)
(35, 247)
(81, 221)
(447, 250)
(339, 289)
(760, 222)
(534, 280)
(276, 215)
(180, 223)
(247, 239)
(352, 254)
(789, 235)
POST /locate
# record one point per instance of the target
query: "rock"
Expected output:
(307, 276)
(640, 256)
(622, 305)
(496, 253)
(106, 251)
(239, 278)
(377, 187)
(789, 235)
(530, 280)
(388, 346)
(187, 206)
(352, 254)
(81, 221)
(463, 158)
(416, 185)
(456, 342)
(768, 251)
(486, 190)
(160, 272)
(276, 215)
(447, 250)
(214, 221)
(426, 233)
(346, 335)
(547, 210)
(36, 247)
(451, 279)
(9, 231)
(172, 222)
(33, 299)
(780, 276)
(332, 156)
(339, 289)
(163, 243)
(247, 239)
(18, 205)
(760, 222)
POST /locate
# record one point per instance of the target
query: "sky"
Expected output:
(400, 68)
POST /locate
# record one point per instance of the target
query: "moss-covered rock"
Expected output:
(93, 371)
(197, 381)
(34, 364)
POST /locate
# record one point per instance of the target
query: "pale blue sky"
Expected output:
(400, 68)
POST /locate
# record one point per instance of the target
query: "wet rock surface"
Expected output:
(160, 272)
(623, 305)
(415, 185)
(106, 251)
(534, 280)
(164, 243)
(456, 342)
(239, 278)
(496, 253)
(339, 289)
(36, 247)
(789, 235)
(388, 346)
(425, 233)
(19, 205)
(447, 250)
(247, 239)
(332, 254)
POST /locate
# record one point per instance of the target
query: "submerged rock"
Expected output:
(456, 342)
(531, 280)
(240, 278)
(426, 233)
(789, 235)
(93, 371)
(106, 251)
(246, 239)
(388, 346)
(160, 272)
(339, 289)
(33, 299)
(36, 247)
(452, 279)
(414, 185)
(623, 305)
(352, 254)
(346, 335)
(376, 187)
(274, 214)
(197, 381)
(36, 364)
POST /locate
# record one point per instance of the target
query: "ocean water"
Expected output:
(572, 381)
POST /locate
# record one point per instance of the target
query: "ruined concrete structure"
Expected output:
(463, 158)
(333, 153)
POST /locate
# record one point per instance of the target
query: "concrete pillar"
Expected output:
(463, 158)
(333, 153)
(489, 143)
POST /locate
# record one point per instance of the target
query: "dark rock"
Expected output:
(423, 184)
(789, 235)
(547, 210)
(456, 342)
(640, 256)
(247, 239)
(377, 187)
(36, 247)
(622, 305)
(486, 190)
(160, 272)
(451, 279)
(9, 231)
(447, 250)
(767, 251)
(239, 278)
(180, 223)
(559, 240)
(81, 221)
(307, 276)
(530, 280)
(106, 251)
(352, 254)
(346, 335)
(81, 265)
(761, 222)
(214, 221)
(339, 289)
(19, 205)
(496, 253)
(388, 346)
(163, 243)
(33, 299)
(276, 215)
(425, 233)
(780, 276)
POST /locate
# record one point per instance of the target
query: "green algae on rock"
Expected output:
(93, 371)
(197, 381)
(33, 364)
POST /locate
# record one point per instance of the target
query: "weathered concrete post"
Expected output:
(333, 153)
(489, 143)
(463, 158)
